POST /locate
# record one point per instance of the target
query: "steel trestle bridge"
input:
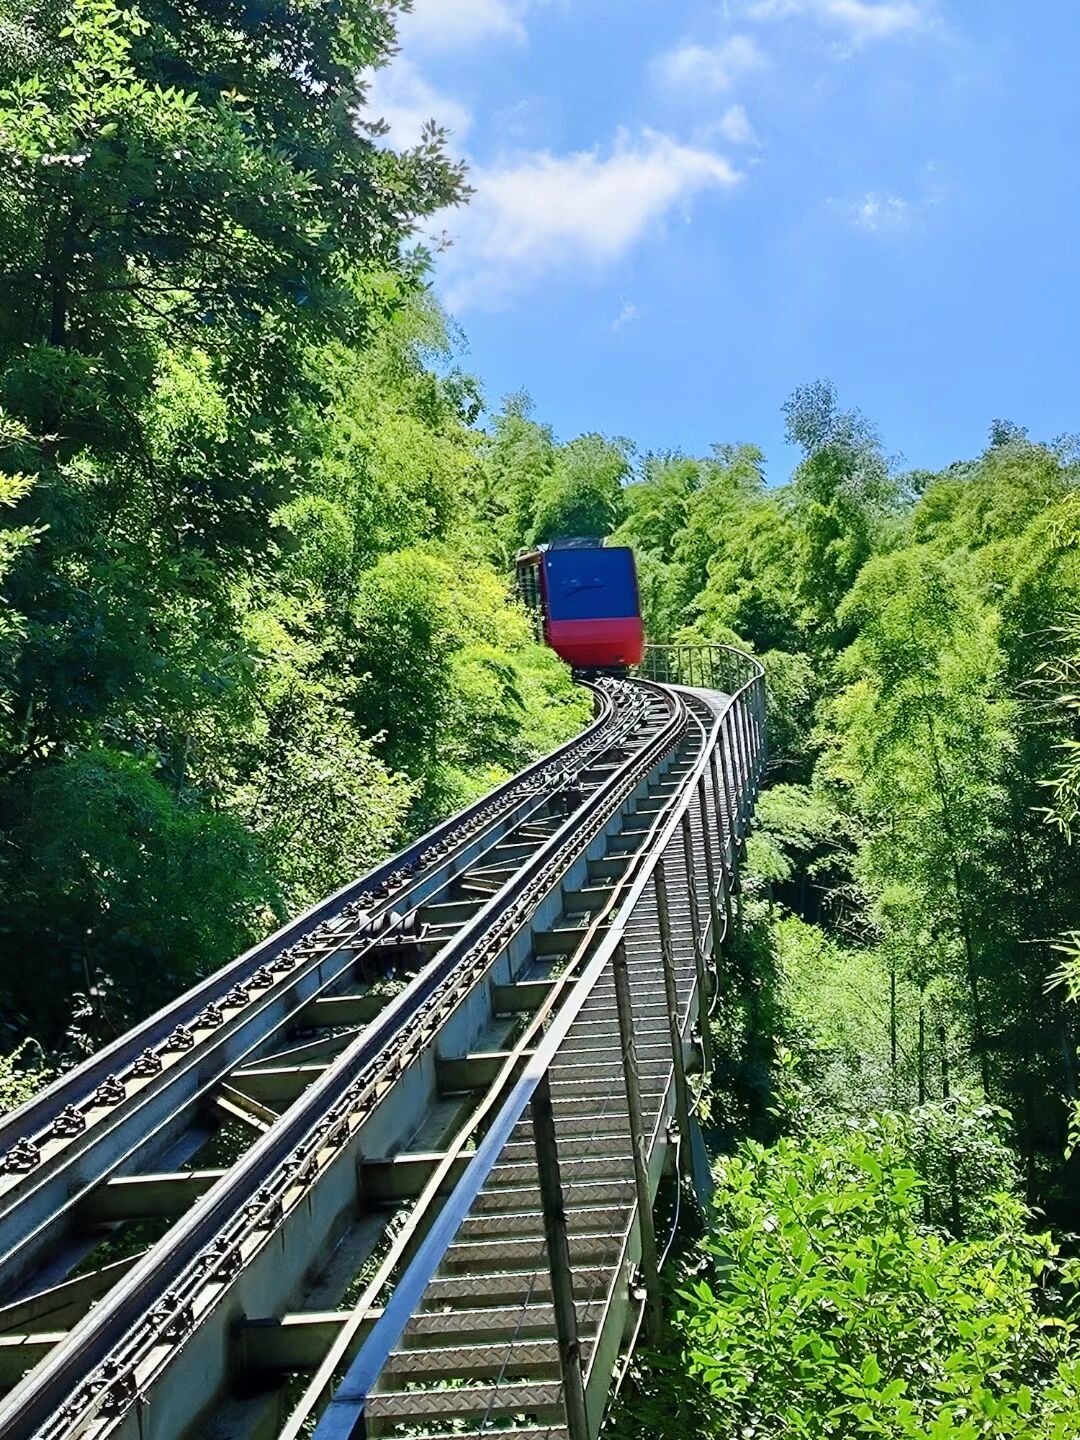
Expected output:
(392, 1173)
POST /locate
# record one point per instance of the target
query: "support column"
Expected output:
(650, 1271)
(710, 871)
(695, 932)
(726, 741)
(736, 884)
(744, 761)
(726, 883)
(678, 1059)
(558, 1246)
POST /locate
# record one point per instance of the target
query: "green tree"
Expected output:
(583, 495)
(835, 1310)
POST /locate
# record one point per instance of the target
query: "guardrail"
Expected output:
(723, 783)
(711, 666)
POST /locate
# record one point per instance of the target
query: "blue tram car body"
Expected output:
(585, 596)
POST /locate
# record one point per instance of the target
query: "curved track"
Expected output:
(260, 1130)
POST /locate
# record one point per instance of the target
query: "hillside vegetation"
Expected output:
(257, 629)
(256, 624)
(890, 1248)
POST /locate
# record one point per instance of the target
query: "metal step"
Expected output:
(481, 1321)
(509, 1287)
(542, 1400)
(577, 1193)
(497, 1358)
(576, 1165)
(590, 1246)
(582, 1122)
(532, 1432)
(580, 1220)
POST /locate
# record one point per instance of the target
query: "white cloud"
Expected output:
(406, 101)
(709, 67)
(545, 212)
(876, 212)
(455, 24)
(626, 316)
(861, 20)
(734, 125)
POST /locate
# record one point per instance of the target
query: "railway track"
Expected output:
(216, 1205)
(543, 1266)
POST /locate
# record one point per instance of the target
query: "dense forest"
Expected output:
(890, 1252)
(257, 629)
(256, 626)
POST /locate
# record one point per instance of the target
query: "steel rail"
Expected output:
(225, 1033)
(343, 1417)
(328, 1105)
(377, 887)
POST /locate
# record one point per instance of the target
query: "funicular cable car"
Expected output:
(584, 597)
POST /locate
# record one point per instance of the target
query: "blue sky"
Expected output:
(683, 210)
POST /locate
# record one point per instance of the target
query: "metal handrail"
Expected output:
(340, 1420)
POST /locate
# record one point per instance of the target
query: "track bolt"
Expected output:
(180, 1039)
(235, 997)
(23, 1156)
(223, 1258)
(265, 1209)
(209, 1018)
(148, 1063)
(118, 1385)
(261, 979)
(111, 1091)
(175, 1318)
(69, 1122)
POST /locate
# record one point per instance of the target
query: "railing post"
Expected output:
(726, 885)
(759, 690)
(744, 762)
(695, 934)
(650, 1271)
(667, 959)
(754, 730)
(726, 728)
(558, 1247)
(710, 871)
(735, 819)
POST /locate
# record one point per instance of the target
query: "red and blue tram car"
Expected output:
(585, 597)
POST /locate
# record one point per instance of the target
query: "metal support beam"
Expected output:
(726, 882)
(20, 1353)
(710, 870)
(678, 1059)
(144, 1197)
(295, 1343)
(357, 1009)
(404, 1176)
(558, 1247)
(65, 1303)
(695, 934)
(524, 995)
(650, 1270)
(470, 1072)
(276, 1084)
(238, 1106)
